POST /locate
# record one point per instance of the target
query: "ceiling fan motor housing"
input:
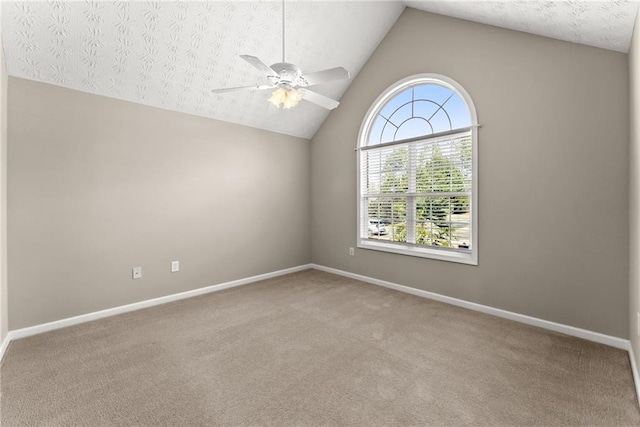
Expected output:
(288, 75)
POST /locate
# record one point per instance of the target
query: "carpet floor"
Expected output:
(312, 348)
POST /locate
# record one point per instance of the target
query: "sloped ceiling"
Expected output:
(171, 54)
(605, 24)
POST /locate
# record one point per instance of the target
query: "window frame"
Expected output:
(444, 254)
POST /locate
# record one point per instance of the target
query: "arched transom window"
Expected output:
(418, 171)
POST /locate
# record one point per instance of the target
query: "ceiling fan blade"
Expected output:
(231, 89)
(321, 100)
(324, 76)
(257, 63)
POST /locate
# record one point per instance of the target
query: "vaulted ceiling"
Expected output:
(172, 54)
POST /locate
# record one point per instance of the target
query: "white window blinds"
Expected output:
(418, 192)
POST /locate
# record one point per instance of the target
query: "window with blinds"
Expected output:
(417, 172)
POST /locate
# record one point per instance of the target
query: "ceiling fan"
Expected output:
(289, 83)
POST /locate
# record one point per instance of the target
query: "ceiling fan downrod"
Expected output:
(283, 34)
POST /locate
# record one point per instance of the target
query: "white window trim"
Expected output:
(451, 255)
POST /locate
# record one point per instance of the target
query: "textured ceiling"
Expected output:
(605, 24)
(171, 54)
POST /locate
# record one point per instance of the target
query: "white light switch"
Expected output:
(137, 272)
(175, 266)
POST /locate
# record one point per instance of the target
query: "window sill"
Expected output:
(437, 254)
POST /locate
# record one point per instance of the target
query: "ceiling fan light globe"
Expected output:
(286, 97)
(274, 102)
(287, 104)
(277, 97)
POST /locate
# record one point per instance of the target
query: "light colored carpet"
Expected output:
(313, 348)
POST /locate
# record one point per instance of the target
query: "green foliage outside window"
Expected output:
(434, 173)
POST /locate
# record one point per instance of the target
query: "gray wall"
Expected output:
(98, 186)
(4, 319)
(634, 191)
(553, 175)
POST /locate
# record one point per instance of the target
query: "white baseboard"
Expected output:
(634, 369)
(557, 327)
(70, 321)
(534, 321)
(4, 345)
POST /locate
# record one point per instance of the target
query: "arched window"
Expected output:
(417, 180)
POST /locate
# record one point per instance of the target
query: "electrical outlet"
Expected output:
(175, 266)
(137, 272)
(352, 252)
